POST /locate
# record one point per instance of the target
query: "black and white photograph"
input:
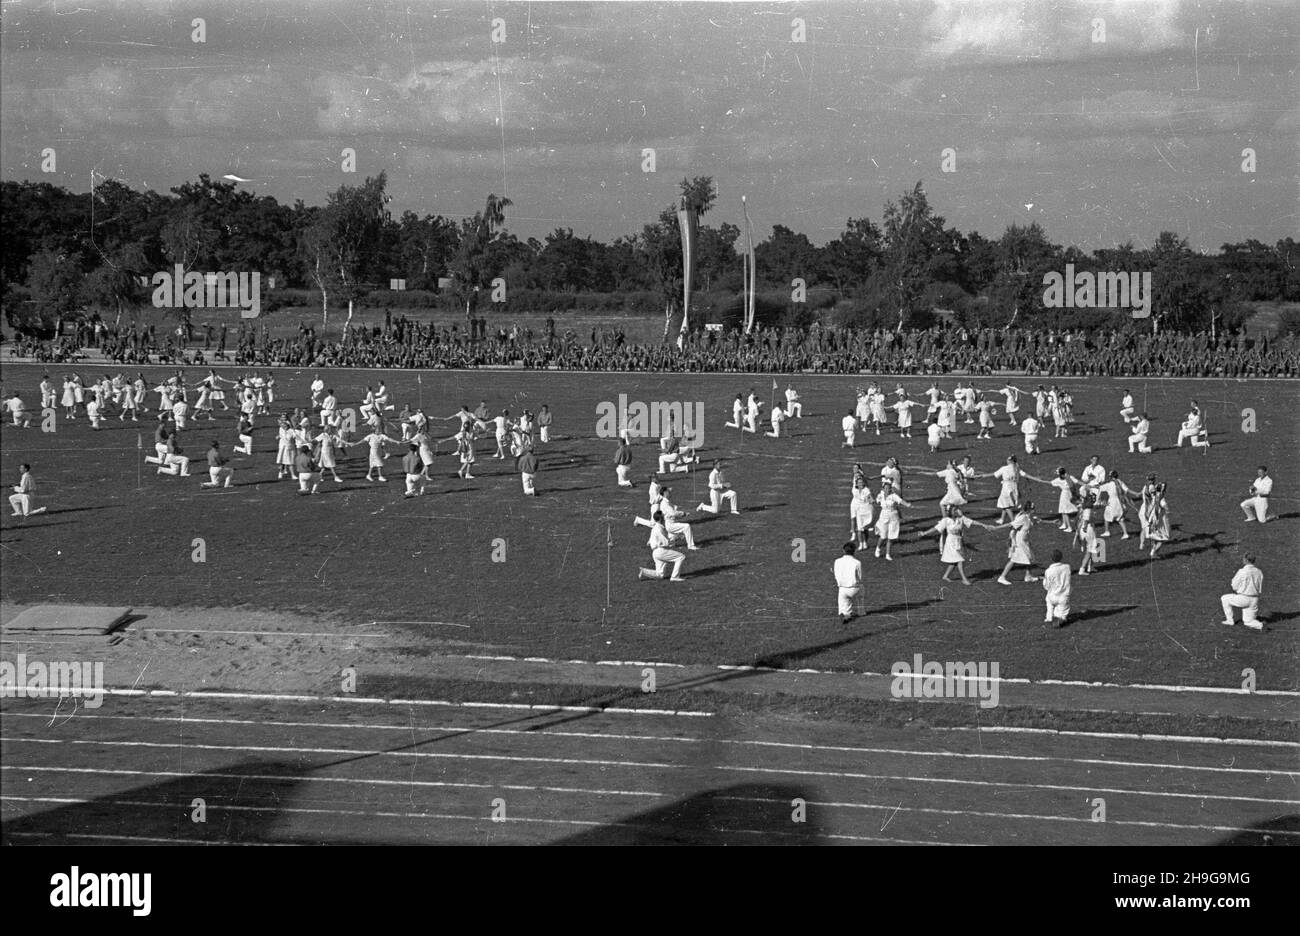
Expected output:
(435, 422)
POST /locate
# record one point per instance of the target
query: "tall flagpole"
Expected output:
(752, 281)
(744, 292)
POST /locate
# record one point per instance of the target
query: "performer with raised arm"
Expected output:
(1118, 497)
(1019, 553)
(793, 405)
(951, 530)
(887, 526)
(662, 553)
(1256, 506)
(719, 491)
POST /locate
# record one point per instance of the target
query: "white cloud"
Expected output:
(1053, 30)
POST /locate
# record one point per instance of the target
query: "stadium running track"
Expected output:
(314, 770)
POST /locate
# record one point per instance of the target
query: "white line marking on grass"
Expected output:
(676, 739)
(440, 623)
(199, 631)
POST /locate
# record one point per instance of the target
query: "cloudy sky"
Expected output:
(1101, 142)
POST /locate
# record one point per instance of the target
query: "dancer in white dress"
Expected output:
(1156, 511)
(286, 450)
(951, 528)
(889, 522)
(1067, 504)
(861, 512)
(1118, 497)
(1019, 552)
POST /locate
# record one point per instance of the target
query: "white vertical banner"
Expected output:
(752, 283)
(688, 220)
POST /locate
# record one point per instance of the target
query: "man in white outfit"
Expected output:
(1056, 582)
(848, 579)
(778, 417)
(1141, 429)
(793, 407)
(1247, 586)
(1191, 427)
(1093, 475)
(674, 526)
(719, 490)
(662, 554)
(23, 500)
(1257, 503)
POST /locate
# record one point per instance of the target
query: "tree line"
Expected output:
(63, 251)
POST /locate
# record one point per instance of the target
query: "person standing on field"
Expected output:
(848, 582)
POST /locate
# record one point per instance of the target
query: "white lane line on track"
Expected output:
(151, 839)
(201, 631)
(434, 784)
(604, 736)
(586, 823)
(282, 697)
(885, 807)
(1127, 736)
(566, 761)
(1013, 681)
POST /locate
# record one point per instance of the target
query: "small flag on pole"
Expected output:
(775, 386)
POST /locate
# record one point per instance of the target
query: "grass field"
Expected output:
(359, 552)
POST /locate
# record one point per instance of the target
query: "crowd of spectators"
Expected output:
(403, 343)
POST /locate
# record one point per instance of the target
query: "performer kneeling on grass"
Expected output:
(1019, 552)
(1247, 586)
(623, 462)
(413, 468)
(305, 469)
(527, 465)
(719, 490)
(22, 501)
(217, 470)
(848, 580)
(176, 462)
(1255, 507)
(670, 521)
(662, 554)
(778, 417)
(1056, 582)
